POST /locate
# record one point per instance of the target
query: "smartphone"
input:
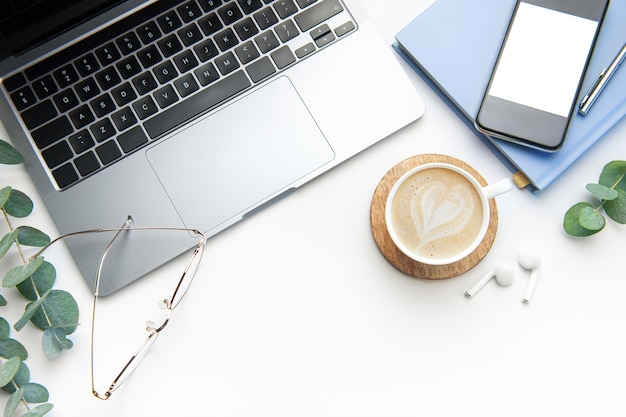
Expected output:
(537, 77)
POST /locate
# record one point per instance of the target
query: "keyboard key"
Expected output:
(108, 54)
(102, 105)
(247, 52)
(227, 63)
(128, 43)
(248, 6)
(108, 152)
(102, 130)
(206, 74)
(165, 72)
(260, 69)
(145, 107)
(246, 29)
(57, 154)
(14, 82)
(39, 114)
(317, 14)
(82, 116)
(81, 141)
(190, 34)
(124, 118)
(87, 65)
(123, 94)
(286, 30)
(206, 50)
(186, 85)
(285, 8)
(196, 104)
(165, 96)
(344, 29)
(128, 67)
(131, 140)
(65, 76)
(144, 83)
(267, 41)
(170, 45)
(87, 89)
(226, 39)
(305, 3)
(52, 132)
(325, 39)
(45, 87)
(169, 22)
(185, 61)
(210, 24)
(149, 56)
(208, 5)
(23, 98)
(66, 100)
(86, 164)
(265, 18)
(283, 57)
(65, 175)
(230, 13)
(189, 11)
(148, 32)
(305, 50)
(320, 31)
(108, 78)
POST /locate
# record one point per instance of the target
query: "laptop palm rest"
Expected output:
(272, 139)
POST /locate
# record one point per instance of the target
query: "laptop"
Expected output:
(194, 113)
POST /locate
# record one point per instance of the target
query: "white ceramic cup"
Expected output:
(438, 213)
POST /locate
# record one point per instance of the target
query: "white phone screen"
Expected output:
(545, 54)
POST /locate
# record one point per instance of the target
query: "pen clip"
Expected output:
(591, 89)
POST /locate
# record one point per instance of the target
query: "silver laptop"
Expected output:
(188, 113)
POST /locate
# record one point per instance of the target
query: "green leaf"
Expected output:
(21, 378)
(571, 221)
(29, 236)
(43, 279)
(602, 192)
(11, 347)
(590, 219)
(18, 205)
(14, 401)
(9, 369)
(21, 273)
(9, 155)
(614, 175)
(3, 301)
(616, 209)
(5, 329)
(4, 195)
(61, 310)
(31, 308)
(39, 411)
(35, 393)
(54, 342)
(6, 242)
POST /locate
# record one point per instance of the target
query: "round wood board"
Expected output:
(399, 259)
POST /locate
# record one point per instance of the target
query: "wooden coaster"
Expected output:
(399, 259)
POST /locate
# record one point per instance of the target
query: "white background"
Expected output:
(296, 313)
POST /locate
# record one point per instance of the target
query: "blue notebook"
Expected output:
(454, 45)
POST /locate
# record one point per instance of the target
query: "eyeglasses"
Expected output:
(167, 304)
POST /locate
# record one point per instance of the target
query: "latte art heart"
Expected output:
(437, 213)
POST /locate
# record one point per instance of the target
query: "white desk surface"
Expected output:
(296, 313)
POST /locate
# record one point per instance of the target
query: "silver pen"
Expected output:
(596, 88)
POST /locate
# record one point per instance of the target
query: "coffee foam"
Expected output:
(437, 213)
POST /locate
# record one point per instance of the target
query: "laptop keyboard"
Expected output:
(109, 95)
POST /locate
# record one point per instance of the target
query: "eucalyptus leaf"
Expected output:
(4, 195)
(29, 236)
(9, 155)
(31, 308)
(571, 222)
(18, 205)
(602, 192)
(616, 209)
(39, 411)
(614, 175)
(35, 393)
(21, 273)
(7, 241)
(14, 401)
(42, 280)
(54, 342)
(5, 329)
(11, 347)
(61, 310)
(21, 378)
(8, 370)
(590, 219)
(3, 301)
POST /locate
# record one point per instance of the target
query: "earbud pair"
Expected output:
(505, 275)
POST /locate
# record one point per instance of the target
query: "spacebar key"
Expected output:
(196, 104)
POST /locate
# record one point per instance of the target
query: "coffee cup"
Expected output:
(438, 213)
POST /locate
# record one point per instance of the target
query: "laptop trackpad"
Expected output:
(222, 166)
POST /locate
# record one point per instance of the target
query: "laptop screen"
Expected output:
(26, 23)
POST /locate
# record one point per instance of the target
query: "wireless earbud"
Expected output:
(504, 276)
(531, 262)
